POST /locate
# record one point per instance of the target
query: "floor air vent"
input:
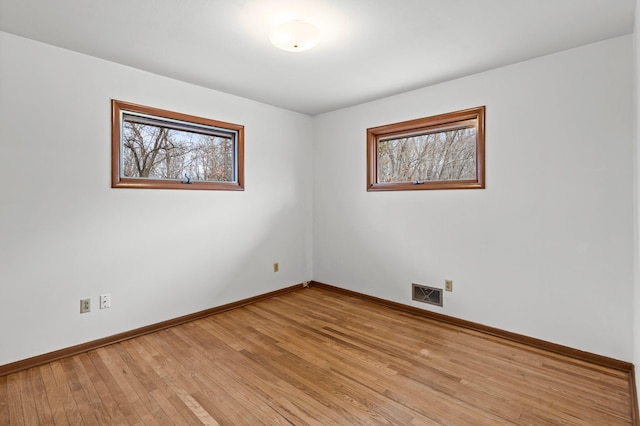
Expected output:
(425, 294)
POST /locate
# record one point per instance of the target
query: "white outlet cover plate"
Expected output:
(105, 301)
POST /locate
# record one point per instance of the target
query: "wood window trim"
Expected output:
(435, 123)
(118, 108)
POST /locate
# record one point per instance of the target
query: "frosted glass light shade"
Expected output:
(295, 36)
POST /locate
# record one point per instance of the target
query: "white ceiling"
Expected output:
(370, 49)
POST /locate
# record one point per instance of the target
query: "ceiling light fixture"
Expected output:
(295, 36)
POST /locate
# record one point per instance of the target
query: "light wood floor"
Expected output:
(316, 357)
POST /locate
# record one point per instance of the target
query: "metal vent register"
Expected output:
(423, 293)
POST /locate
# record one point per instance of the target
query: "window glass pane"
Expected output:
(160, 152)
(439, 156)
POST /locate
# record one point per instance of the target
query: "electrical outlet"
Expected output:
(105, 301)
(85, 306)
(448, 285)
(276, 267)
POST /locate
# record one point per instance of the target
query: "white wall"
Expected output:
(546, 249)
(66, 235)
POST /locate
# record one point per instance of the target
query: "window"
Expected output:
(440, 152)
(153, 148)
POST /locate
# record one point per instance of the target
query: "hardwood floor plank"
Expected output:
(93, 388)
(343, 393)
(14, 400)
(141, 380)
(231, 382)
(368, 360)
(317, 357)
(116, 371)
(497, 364)
(103, 405)
(159, 390)
(177, 378)
(29, 408)
(4, 401)
(113, 398)
(254, 345)
(78, 383)
(54, 395)
(287, 400)
(64, 391)
(43, 409)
